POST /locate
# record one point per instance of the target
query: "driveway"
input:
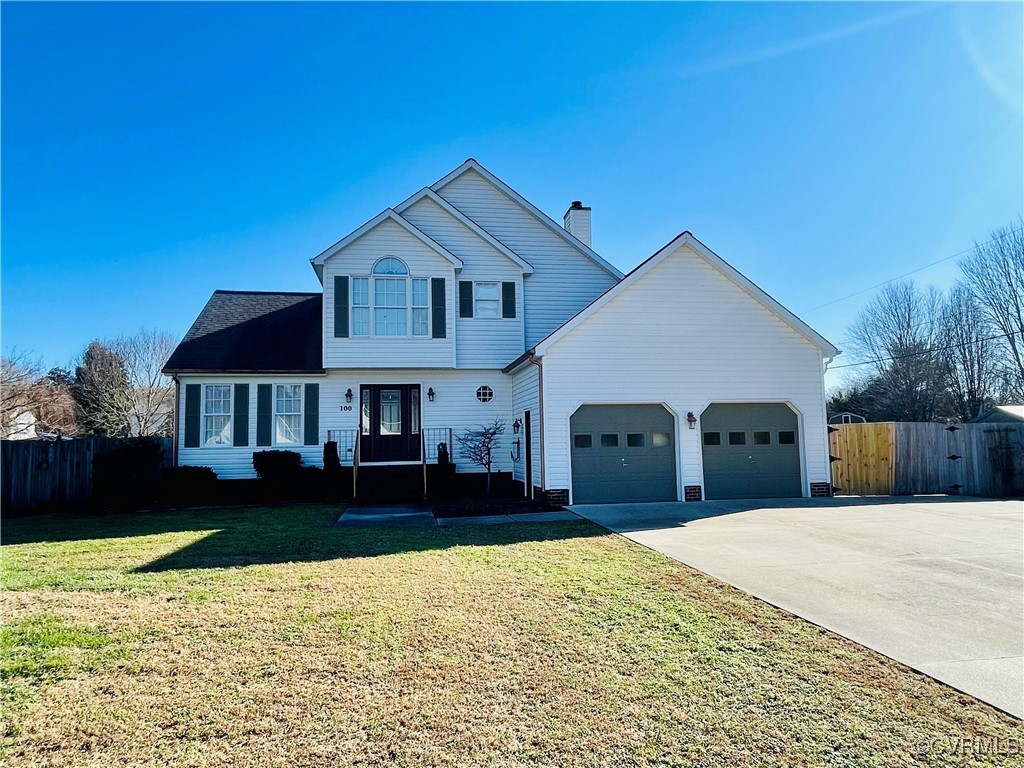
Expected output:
(934, 582)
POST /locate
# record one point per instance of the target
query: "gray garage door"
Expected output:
(751, 451)
(623, 453)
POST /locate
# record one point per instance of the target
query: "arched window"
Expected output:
(398, 304)
(389, 265)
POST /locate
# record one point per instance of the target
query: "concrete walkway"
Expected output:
(412, 515)
(934, 582)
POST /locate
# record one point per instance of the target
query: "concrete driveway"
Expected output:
(934, 582)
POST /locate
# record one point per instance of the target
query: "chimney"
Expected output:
(577, 222)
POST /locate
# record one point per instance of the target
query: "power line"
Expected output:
(925, 351)
(913, 271)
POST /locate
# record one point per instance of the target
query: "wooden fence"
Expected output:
(37, 473)
(902, 458)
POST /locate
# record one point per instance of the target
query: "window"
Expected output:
(398, 304)
(635, 440)
(420, 308)
(661, 439)
(365, 400)
(389, 306)
(390, 412)
(360, 306)
(787, 437)
(216, 414)
(414, 408)
(583, 441)
(484, 394)
(737, 438)
(712, 438)
(487, 300)
(762, 438)
(389, 265)
(610, 440)
(287, 414)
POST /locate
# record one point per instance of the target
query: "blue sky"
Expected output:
(152, 153)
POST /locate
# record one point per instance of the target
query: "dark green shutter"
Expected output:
(508, 299)
(438, 308)
(193, 393)
(311, 417)
(465, 298)
(264, 414)
(341, 306)
(241, 420)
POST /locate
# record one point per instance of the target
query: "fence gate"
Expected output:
(863, 458)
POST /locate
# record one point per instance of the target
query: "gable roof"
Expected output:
(471, 225)
(543, 218)
(716, 261)
(253, 332)
(1004, 413)
(388, 214)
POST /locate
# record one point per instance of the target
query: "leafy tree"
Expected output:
(103, 392)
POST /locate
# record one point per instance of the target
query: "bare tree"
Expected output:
(103, 392)
(58, 412)
(971, 356)
(20, 394)
(152, 401)
(994, 273)
(478, 445)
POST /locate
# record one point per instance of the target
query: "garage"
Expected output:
(623, 453)
(751, 451)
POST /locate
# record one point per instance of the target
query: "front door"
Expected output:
(390, 422)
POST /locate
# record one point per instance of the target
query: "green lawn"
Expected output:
(263, 637)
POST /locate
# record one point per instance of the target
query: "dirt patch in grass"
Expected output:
(547, 644)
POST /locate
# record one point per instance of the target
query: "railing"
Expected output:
(423, 461)
(347, 440)
(355, 468)
(432, 437)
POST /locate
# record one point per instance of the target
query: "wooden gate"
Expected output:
(863, 458)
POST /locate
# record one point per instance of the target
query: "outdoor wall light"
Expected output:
(348, 395)
(691, 420)
(430, 394)
(516, 426)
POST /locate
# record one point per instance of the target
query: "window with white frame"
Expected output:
(360, 306)
(216, 414)
(398, 303)
(287, 414)
(420, 307)
(487, 300)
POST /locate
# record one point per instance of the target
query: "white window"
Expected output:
(216, 414)
(399, 304)
(487, 300)
(287, 414)
(420, 308)
(360, 306)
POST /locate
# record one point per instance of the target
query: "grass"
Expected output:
(266, 637)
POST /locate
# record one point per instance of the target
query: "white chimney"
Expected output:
(577, 222)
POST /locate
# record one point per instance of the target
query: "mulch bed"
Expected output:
(480, 507)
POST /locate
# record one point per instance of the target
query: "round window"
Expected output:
(484, 394)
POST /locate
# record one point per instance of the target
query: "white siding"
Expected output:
(564, 280)
(480, 342)
(686, 336)
(526, 397)
(357, 259)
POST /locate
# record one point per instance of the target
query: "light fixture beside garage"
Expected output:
(691, 419)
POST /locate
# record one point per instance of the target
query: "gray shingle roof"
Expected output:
(254, 331)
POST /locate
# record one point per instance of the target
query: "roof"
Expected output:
(1004, 413)
(253, 331)
(685, 238)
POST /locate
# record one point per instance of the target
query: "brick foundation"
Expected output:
(821, 490)
(556, 497)
(692, 493)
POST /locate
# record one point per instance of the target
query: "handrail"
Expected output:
(423, 460)
(355, 463)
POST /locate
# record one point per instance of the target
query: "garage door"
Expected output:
(751, 451)
(623, 453)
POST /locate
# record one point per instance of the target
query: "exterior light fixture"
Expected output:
(348, 395)
(430, 394)
(516, 426)
(691, 420)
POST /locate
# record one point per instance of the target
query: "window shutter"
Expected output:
(508, 299)
(193, 393)
(341, 306)
(438, 308)
(264, 414)
(311, 417)
(240, 422)
(465, 298)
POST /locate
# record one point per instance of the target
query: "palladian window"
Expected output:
(399, 304)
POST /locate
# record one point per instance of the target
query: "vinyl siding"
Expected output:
(525, 397)
(686, 336)
(356, 260)
(564, 280)
(480, 342)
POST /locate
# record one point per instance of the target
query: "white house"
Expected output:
(465, 304)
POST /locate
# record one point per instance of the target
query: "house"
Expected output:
(465, 303)
(846, 418)
(20, 425)
(1007, 414)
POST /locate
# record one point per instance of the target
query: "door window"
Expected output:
(762, 438)
(787, 437)
(609, 440)
(390, 412)
(737, 438)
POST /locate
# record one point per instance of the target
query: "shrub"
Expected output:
(332, 462)
(276, 466)
(183, 486)
(128, 476)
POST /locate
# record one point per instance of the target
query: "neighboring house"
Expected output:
(846, 418)
(465, 303)
(1001, 413)
(21, 426)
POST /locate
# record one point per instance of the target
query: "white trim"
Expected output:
(203, 415)
(389, 463)
(471, 225)
(388, 214)
(715, 261)
(274, 413)
(530, 208)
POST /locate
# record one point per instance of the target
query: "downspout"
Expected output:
(540, 417)
(174, 430)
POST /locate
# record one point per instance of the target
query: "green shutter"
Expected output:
(264, 414)
(341, 306)
(438, 308)
(465, 298)
(241, 417)
(193, 393)
(508, 299)
(311, 416)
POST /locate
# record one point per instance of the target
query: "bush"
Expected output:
(184, 486)
(129, 476)
(332, 462)
(277, 466)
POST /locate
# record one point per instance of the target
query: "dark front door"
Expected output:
(390, 421)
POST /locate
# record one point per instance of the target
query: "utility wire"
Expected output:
(925, 351)
(913, 271)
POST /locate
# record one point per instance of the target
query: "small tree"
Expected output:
(478, 445)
